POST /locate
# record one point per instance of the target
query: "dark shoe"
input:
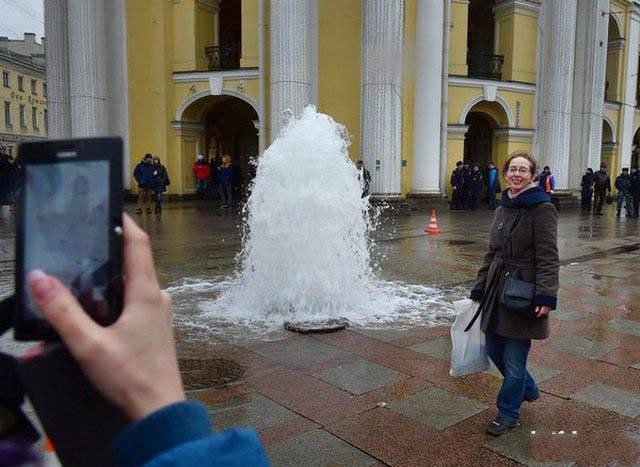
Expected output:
(532, 398)
(499, 427)
(618, 214)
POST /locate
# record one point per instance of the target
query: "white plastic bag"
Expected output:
(469, 352)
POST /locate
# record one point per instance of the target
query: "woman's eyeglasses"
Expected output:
(520, 170)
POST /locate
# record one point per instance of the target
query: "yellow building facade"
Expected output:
(23, 96)
(418, 84)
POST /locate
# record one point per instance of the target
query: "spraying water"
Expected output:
(306, 245)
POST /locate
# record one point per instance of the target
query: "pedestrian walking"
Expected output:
(143, 173)
(364, 177)
(202, 172)
(457, 197)
(226, 181)
(586, 189)
(546, 180)
(475, 187)
(623, 185)
(635, 190)
(601, 188)
(466, 185)
(493, 184)
(161, 183)
(6, 180)
(522, 261)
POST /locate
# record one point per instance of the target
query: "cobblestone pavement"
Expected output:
(384, 397)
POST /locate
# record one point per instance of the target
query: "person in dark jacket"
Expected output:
(364, 177)
(6, 179)
(526, 217)
(133, 364)
(601, 187)
(586, 189)
(466, 185)
(546, 180)
(143, 173)
(226, 181)
(623, 185)
(161, 183)
(493, 184)
(457, 181)
(635, 190)
(475, 187)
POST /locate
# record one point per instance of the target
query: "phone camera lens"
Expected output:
(118, 230)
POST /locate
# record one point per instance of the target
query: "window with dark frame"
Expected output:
(7, 113)
(23, 117)
(34, 117)
(46, 120)
(5, 79)
(44, 89)
(34, 89)
(20, 83)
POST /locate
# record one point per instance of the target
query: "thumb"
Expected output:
(63, 311)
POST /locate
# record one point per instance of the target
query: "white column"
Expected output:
(87, 68)
(57, 55)
(555, 88)
(381, 100)
(588, 88)
(630, 83)
(428, 98)
(291, 61)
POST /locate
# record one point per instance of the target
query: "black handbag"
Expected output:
(517, 295)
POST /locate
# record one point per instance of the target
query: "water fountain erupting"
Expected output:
(306, 249)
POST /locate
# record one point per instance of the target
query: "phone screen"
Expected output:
(66, 230)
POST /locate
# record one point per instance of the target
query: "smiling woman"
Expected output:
(517, 285)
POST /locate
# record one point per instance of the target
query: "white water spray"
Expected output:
(305, 254)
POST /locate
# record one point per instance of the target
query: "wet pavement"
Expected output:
(384, 396)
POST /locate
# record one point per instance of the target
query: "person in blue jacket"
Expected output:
(493, 184)
(133, 364)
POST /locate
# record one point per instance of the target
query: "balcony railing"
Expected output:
(223, 57)
(484, 65)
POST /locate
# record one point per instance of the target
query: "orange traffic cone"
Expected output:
(432, 228)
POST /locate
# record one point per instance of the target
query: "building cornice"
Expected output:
(612, 105)
(204, 76)
(464, 82)
(187, 126)
(457, 129)
(515, 132)
(617, 44)
(523, 7)
(210, 6)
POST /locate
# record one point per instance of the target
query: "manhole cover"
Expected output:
(208, 373)
(460, 242)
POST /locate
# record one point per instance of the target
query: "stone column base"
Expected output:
(564, 200)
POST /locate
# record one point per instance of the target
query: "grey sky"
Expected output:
(20, 16)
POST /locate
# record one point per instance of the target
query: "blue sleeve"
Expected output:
(181, 435)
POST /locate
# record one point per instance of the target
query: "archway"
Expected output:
(615, 48)
(480, 141)
(635, 154)
(608, 145)
(221, 125)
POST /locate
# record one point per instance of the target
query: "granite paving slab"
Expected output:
(610, 398)
(301, 352)
(585, 346)
(636, 366)
(317, 448)
(516, 446)
(360, 376)
(602, 300)
(439, 347)
(437, 407)
(625, 326)
(389, 335)
(540, 373)
(252, 410)
(568, 315)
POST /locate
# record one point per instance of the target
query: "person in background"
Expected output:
(635, 190)
(601, 187)
(161, 182)
(475, 187)
(466, 185)
(493, 184)
(546, 180)
(202, 172)
(133, 364)
(522, 244)
(587, 189)
(457, 197)
(143, 173)
(226, 180)
(623, 185)
(364, 177)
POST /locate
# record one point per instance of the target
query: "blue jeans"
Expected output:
(510, 357)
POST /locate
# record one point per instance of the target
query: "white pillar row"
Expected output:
(428, 98)
(588, 88)
(57, 56)
(555, 88)
(630, 83)
(381, 94)
(292, 41)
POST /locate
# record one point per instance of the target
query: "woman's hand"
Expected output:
(542, 310)
(133, 362)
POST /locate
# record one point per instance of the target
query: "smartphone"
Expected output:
(69, 224)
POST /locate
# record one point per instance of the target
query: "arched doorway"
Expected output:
(215, 126)
(479, 139)
(608, 146)
(615, 49)
(635, 154)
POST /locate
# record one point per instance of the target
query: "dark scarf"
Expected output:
(528, 199)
